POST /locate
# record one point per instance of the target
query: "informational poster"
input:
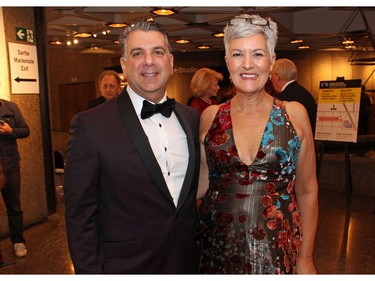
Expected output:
(338, 110)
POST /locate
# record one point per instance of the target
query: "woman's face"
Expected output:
(249, 63)
(214, 88)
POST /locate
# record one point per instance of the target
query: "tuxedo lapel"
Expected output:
(140, 141)
(186, 186)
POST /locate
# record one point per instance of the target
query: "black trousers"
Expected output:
(11, 196)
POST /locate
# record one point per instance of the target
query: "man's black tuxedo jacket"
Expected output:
(120, 216)
(295, 92)
(95, 102)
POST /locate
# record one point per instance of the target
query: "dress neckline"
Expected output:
(260, 143)
(206, 101)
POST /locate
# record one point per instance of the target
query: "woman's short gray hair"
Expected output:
(245, 25)
(142, 25)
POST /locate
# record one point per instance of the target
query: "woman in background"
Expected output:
(204, 86)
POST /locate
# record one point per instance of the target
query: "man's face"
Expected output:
(148, 64)
(108, 87)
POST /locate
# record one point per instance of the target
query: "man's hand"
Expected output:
(5, 129)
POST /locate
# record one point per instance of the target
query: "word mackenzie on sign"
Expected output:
(24, 68)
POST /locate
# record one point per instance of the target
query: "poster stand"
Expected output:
(348, 173)
(337, 120)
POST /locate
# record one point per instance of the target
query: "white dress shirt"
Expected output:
(168, 142)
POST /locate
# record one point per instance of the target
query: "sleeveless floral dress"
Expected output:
(249, 221)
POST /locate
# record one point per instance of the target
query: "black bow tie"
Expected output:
(164, 108)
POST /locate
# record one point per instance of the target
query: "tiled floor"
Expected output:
(345, 242)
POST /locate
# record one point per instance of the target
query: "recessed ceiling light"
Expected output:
(203, 47)
(182, 41)
(163, 12)
(96, 50)
(83, 34)
(55, 42)
(304, 47)
(347, 41)
(116, 24)
(219, 34)
(296, 41)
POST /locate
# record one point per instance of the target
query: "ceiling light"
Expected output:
(75, 41)
(96, 50)
(116, 41)
(163, 12)
(219, 34)
(83, 34)
(55, 42)
(116, 24)
(347, 41)
(182, 41)
(204, 47)
(68, 42)
(296, 41)
(304, 47)
(350, 47)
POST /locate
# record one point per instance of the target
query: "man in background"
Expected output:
(12, 127)
(109, 87)
(284, 81)
(364, 112)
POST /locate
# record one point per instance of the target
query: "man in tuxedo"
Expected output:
(132, 170)
(284, 81)
(109, 88)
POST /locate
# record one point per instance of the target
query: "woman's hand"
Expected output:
(305, 266)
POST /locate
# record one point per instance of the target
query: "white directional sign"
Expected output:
(23, 69)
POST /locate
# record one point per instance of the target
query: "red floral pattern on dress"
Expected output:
(249, 219)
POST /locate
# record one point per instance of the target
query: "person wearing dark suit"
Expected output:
(109, 87)
(131, 175)
(13, 126)
(364, 112)
(284, 81)
(95, 102)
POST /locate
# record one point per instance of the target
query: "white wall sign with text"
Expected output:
(4, 75)
(24, 74)
(338, 110)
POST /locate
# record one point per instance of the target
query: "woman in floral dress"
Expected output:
(260, 193)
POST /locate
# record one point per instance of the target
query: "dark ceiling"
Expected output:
(321, 28)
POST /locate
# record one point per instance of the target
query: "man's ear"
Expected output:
(122, 62)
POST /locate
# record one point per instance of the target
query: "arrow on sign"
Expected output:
(20, 34)
(24, 80)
